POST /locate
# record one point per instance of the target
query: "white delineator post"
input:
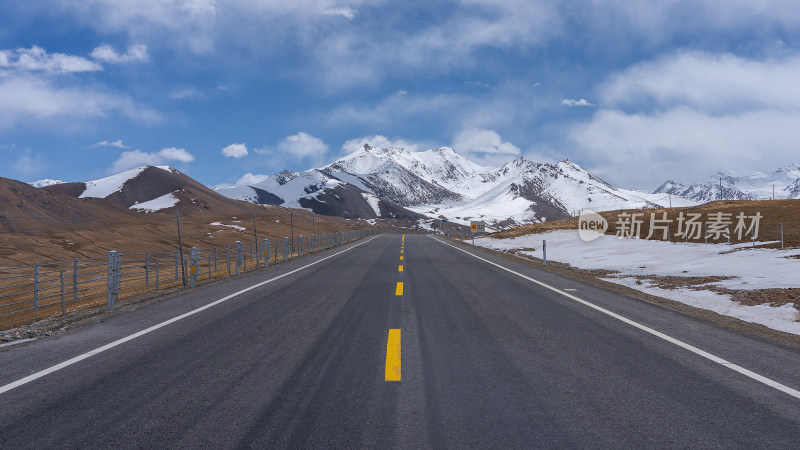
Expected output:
(544, 251)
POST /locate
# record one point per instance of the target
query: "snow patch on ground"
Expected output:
(157, 204)
(220, 224)
(373, 202)
(748, 269)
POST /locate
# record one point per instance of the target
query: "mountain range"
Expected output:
(784, 183)
(400, 184)
(441, 183)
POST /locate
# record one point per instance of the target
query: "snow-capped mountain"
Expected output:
(442, 183)
(45, 182)
(318, 191)
(147, 189)
(758, 186)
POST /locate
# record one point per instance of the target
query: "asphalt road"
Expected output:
(486, 359)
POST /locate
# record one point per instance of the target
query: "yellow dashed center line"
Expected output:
(392, 371)
(400, 269)
(401, 258)
(399, 289)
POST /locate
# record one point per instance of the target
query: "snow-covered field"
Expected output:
(746, 268)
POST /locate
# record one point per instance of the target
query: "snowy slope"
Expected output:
(758, 186)
(157, 204)
(528, 192)
(104, 187)
(288, 186)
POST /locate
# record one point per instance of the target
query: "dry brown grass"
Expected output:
(92, 287)
(773, 212)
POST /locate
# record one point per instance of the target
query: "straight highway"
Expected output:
(403, 342)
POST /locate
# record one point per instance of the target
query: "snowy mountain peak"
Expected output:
(44, 183)
(782, 183)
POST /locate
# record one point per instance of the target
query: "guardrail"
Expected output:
(38, 291)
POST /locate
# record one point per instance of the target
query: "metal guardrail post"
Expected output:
(285, 248)
(112, 280)
(266, 253)
(36, 287)
(146, 268)
(195, 265)
(63, 298)
(238, 258)
(228, 257)
(300, 248)
(75, 280)
(118, 279)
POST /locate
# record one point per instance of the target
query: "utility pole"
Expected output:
(180, 246)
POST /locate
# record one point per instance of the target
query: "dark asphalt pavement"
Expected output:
(489, 360)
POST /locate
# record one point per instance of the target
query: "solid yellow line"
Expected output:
(400, 269)
(392, 371)
(399, 289)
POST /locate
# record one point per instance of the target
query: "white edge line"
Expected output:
(748, 373)
(133, 336)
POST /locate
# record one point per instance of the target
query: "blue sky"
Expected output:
(635, 91)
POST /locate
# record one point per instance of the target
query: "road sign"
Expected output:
(478, 227)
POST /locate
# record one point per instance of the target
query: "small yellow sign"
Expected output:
(474, 227)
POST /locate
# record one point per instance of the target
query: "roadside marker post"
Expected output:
(266, 253)
(195, 255)
(544, 251)
(238, 258)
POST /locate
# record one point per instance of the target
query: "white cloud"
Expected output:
(29, 163)
(303, 145)
(344, 11)
(106, 53)
(31, 98)
(184, 93)
(378, 141)
(136, 158)
(176, 154)
(709, 82)
(36, 59)
(691, 114)
(250, 179)
(581, 102)
(118, 143)
(484, 146)
(642, 150)
(235, 151)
